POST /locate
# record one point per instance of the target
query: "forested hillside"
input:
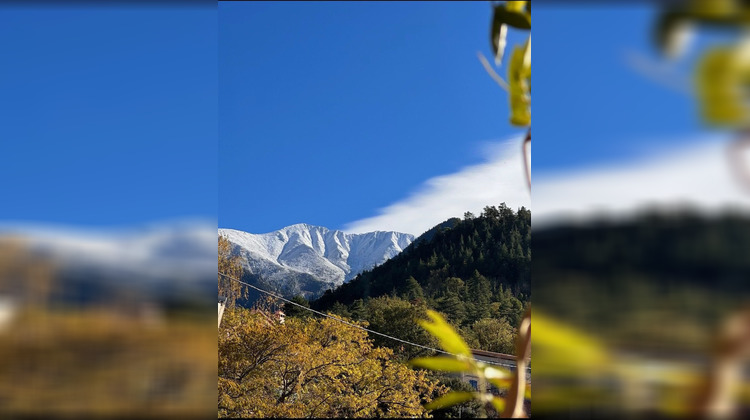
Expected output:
(470, 269)
(680, 271)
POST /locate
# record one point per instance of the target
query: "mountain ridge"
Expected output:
(308, 259)
(496, 246)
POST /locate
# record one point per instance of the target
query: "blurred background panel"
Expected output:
(108, 215)
(642, 209)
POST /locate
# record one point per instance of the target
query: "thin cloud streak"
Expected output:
(501, 178)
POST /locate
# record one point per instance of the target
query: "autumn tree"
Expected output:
(229, 266)
(24, 275)
(308, 367)
(494, 335)
(396, 317)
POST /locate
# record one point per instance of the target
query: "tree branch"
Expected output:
(496, 77)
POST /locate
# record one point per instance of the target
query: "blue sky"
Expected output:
(331, 111)
(324, 113)
(591, 106)
(612, 133)
(108, 115)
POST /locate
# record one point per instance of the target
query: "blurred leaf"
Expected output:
(516, 6)
(449, 340)
(501, 383)
(720, 81)
(719, 18)
(672, 31)
(565, 349)
(519, 74)
(714, 8)
(498, 403)
(449, 399)
(516, 19)
(509, 14)
(446, 364)
(495, 373)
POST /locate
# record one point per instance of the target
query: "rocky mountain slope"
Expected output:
(306, 259)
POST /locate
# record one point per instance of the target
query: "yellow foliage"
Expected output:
(95, 363)
(312, 368)
(229, 265)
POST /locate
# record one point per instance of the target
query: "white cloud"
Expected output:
(183, 249)
(697, 175)
(501, 178)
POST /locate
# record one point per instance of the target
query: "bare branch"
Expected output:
(487, 66)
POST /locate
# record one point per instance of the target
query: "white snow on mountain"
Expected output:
(313, 252)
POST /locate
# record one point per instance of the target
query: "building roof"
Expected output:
(493, 355)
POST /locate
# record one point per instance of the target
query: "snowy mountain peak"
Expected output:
(308, 254)
(305, 226)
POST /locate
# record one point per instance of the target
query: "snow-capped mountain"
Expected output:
(309, 259)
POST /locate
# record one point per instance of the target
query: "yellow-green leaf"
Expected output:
(446, 364)
(565, 349)
(720, 84)
(499, 404)
(519, 76)
(672, 31)
(449, 399)
(510, 14)
(449, 340)
(515, 18)
(501, 383)
(515, 6)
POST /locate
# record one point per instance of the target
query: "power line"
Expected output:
(354, 325)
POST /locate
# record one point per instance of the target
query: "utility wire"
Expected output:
(355, 325)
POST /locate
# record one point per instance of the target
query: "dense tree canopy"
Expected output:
(469, 269)
(658, 281)
(309, 367)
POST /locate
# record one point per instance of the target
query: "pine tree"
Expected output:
(480, 295)
(358, 310)
(294, 310)
(491, 212)
(412, 290)
(340, 309)
(453, 307)
(454, 285)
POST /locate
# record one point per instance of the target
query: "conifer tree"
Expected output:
(413, 291)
